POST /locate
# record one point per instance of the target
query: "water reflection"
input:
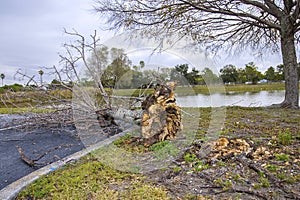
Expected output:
(247, 99)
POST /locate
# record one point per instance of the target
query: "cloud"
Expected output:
(32, 31)
(32, 35)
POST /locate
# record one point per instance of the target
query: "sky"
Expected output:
(32, 36)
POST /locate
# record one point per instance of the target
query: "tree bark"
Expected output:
(289, 57)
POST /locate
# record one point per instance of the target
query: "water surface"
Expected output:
(247, 99)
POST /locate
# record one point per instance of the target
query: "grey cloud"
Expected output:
(32, 31)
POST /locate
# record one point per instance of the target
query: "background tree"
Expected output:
(209, 77)
(241, 75)
(218, 24)
(182, 69)
(120, 64)
(86, 53)
(179, 73)
(252, 74)
(229, 74)
(194, 76)
(182, 74)
(41, 73)
(270, 74)
(280, 72)
(2, 76)
(97, 62)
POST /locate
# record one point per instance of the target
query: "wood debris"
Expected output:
(224, 147)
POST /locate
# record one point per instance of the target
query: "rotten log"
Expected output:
(161, 118)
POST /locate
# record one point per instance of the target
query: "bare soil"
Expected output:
(269, 168)
(257, 156)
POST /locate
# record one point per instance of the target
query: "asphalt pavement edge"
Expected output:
(12, 190)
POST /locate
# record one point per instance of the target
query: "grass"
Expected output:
(284, 137)
(203, 89)
(188, 157)
(24, 110)
(33, 98)
(89, 179)
(282, 157)
(18, 102)
(92, 178)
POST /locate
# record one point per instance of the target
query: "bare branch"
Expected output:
(25, 76)
(210, 22)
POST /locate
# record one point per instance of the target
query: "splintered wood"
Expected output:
(162, 117)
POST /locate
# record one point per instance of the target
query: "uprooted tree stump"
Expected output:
(162, 117)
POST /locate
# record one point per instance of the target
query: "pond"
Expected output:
(247, 99)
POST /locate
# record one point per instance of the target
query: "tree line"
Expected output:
(121, 73)
(250, 74)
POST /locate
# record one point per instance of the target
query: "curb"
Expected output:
(12, 190)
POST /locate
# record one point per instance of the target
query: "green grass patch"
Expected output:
(264, 182)
(158, 146)
(24, 110)
(284, 137)
(199, 166)
(282, 157)
(88, 179)
(189, 157)
(170, 149)
(122, 140)
(272, 168)
(204, 89)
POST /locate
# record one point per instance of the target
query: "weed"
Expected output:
(256, 186)
(221, 163)
(261, 174)
(236, 177)
(199, 166)
(264, 182)
(227, 185)
(272, 168)
(281, 176)
(188, 157)
(158, 146)
(122, 140)
(218, 181)
(282, 157)
(165, 149)
(285, 137)
(177, 169)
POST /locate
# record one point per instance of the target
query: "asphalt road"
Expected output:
(33, 144)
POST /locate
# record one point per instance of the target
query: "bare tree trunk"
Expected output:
(290, 66)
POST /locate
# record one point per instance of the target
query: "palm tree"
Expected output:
(41, 72)
(2, 76)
